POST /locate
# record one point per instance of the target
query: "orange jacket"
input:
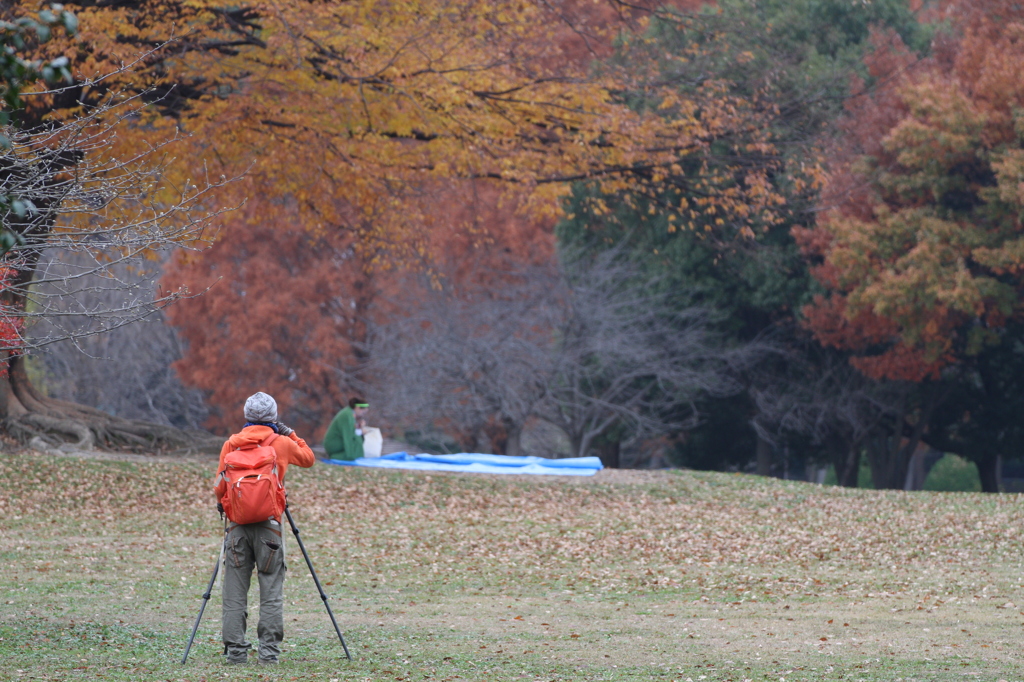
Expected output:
(290, 449)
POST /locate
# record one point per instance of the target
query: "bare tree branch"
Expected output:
(585, 346)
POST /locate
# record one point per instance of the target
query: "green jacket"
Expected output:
(341, 441)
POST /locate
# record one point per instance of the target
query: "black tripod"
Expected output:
(295, 530)
(316, 580)
(206, 598)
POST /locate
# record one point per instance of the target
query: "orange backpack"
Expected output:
(249, 488)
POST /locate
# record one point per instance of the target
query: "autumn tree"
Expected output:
(282, 311)
(361, 118)
(795, 60)
(583, 346)
(920, 247)
(68, 187)
(465, 358)
(348, 130)
(297, 305)
(353, 131)
(126, 371)
(810, 397)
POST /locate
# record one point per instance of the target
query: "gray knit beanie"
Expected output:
(260, 407)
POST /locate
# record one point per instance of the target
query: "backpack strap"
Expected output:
(266, 442)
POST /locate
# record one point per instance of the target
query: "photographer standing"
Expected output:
(250, 489)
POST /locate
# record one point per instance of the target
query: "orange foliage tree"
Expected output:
(79, 210)
(287, 310)
(921, 245)
(355, 123)
(353, 107)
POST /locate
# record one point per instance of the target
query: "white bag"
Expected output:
(373, 442)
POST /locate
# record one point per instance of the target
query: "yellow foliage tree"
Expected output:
(361, 116)
(353, 110)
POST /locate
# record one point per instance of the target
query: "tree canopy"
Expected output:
(830, 187)
(921, 241)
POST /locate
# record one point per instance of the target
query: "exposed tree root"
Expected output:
(61, 427)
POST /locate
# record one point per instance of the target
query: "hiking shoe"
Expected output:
(235, 661)
(268, 661)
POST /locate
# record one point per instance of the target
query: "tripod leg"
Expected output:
(206, 598)
(316, 580)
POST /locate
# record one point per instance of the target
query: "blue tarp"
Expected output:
(481, 464)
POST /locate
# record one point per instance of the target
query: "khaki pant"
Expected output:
(259, 546)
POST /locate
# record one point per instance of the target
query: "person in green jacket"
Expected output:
(344, 437)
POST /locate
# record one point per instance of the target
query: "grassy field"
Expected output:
(626, 576)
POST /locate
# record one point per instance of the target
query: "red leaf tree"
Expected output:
(921, 243)
(285, 310)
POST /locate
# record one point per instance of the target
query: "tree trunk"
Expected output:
(846, 462)
(513, 441)
(889, 462)
(57, 426)
(575, 444)
(916, 471)
(764, 457)
(480, 442)
(889, 452)
(609, 451)
(583, 444)
(990, 471)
